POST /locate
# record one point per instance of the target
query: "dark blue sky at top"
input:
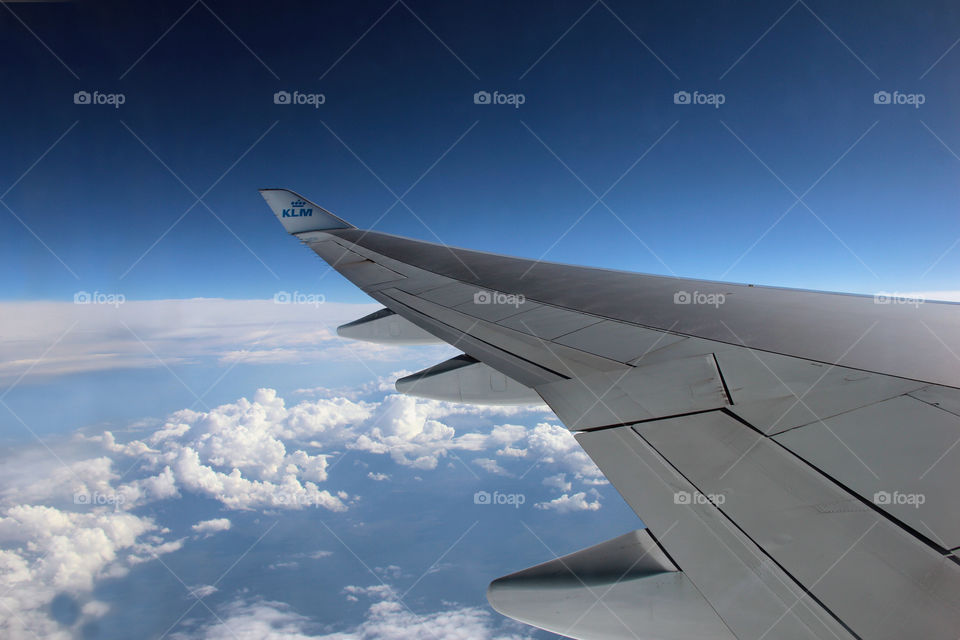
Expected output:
(398, 100)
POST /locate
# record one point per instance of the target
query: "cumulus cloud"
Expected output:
(239, 453)
(558, 481)
(47, 552)
(555, 445)
(65, 526)
(567, 503)
(209, 527)
(260, 453)
(491, 466)
(386, 619)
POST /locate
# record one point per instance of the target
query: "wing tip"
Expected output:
(298, 214)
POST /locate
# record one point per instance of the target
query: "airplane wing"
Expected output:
(792, 454)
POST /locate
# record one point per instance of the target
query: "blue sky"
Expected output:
(399, 103)
(809, 174)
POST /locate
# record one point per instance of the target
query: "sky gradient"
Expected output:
(240, 469)
(687, 189)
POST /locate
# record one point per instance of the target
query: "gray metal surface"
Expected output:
(465, 379)
(625, 587)
(819, 533)
(942, 397)
(776, 393)
(556, 358)
(859, 397)
(636, 393)
(901, 455)
(386, 327)
(753, 595)
(898, 340)
(549, 322)
(618, 340)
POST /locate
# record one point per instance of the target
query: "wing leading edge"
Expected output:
(791, 453)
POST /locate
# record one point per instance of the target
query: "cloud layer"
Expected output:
(68, 522)
(387, 618)
(42, 339)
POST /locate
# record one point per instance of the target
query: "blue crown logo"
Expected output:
(298, 203)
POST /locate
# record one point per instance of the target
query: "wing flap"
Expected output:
(465, 379)
(791, 512)
(626, 587)
(776, 393)
(752, 594)
(638, 393)
(896, 454)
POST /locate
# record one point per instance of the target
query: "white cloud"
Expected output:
(259, 453)
(386, 619)
(98, 337)
(209, 527)
(238, 452)
(491, 466)
(554, 444)
(558, 481)
(203, 590)
(45, 551)
(569, 503)
(64, 527)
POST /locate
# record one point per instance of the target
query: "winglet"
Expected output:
(297, 214)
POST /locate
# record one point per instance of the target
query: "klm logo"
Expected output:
(297, 210)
